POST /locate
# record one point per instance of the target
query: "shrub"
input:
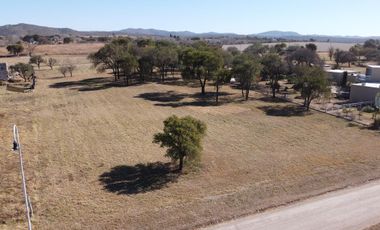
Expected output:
(368, 109)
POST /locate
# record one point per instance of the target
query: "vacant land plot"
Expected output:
(63, 49)
(91, 163)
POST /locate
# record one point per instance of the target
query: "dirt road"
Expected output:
(352, 208)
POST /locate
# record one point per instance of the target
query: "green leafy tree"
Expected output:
(37, 59)
(110, 56)
(311, 46)
(256, 49)
(25, 71)
(246, 69)
(312, 83)
(15, 49)
(280, 48)
(233, 50)
(358, 51)
(164, 57)
(128, 64)
(304, 56)
(67, 40)
(221, 77)
(273, 69)
(182, 137)
(201, 63)
(342, 57)
(146, 63)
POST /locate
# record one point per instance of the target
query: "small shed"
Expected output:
(373, 73)
(362, 92)
(3, 72)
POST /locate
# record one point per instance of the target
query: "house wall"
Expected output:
(362, 93)
(374, 73)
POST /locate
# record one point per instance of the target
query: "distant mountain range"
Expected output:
(23, 29)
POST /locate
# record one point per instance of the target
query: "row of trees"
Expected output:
(370, 50)
(141, 59)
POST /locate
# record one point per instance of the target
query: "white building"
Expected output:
(362, 92)
(336, 75)
(373, 73)
(3, 72)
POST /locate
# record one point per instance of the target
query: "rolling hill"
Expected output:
(23, 29)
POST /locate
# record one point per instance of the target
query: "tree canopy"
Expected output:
(182, 137)
(247, 70)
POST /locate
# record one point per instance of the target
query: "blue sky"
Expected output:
(328, 17)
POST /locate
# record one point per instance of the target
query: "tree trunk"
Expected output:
(247, 93)
(217, 93)
(180, 164)
(273, 92)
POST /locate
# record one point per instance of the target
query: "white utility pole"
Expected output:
(17, 147)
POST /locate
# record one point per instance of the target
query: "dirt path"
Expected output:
(352, 208)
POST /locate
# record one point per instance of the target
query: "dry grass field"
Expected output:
(63, 49)
(91, 164)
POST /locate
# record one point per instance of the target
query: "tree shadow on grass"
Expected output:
(140, 178)
(169, 96)
(178, 81)
(92, 84)
(284, 111)
(174, 99)
(272, 100)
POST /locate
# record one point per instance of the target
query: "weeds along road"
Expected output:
(353, 208)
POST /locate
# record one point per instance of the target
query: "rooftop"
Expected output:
(369, 85)
(374, 66)
(341, 71)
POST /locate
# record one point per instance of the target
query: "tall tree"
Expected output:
(342, 57)
(25, 71)
(312, 83)
(110, 56)
(311, 46)
(246, 69)
(182, 137)
(222, 76)
(273, 68)
(303, 56)
(201, 63)
(331, 52)
(36, 60)
(165, 56)
(128, 65)
(15, 49)
(256, 49)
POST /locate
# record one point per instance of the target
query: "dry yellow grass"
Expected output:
(75, 130)
(63, 49)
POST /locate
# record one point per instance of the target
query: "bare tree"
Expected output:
(30, 47)
(63, 70)
(71, 67)
(51, 62)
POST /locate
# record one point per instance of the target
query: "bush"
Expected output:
(368, 109)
